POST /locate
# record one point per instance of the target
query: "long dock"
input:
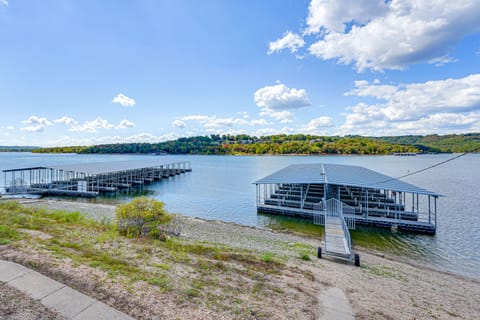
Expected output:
(90, 179)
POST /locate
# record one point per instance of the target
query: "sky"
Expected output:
(82, 72)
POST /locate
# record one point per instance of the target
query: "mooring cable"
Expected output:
(430, 167)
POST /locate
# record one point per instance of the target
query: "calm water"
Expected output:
(220, 187)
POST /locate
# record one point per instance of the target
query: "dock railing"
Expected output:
(319, 213)
(348, 213)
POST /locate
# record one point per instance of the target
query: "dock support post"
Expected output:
(429, 217)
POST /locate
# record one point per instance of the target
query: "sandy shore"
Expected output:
(380, 289)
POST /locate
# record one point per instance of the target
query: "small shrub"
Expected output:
(305, 256)
(267, 257)
(142, 217)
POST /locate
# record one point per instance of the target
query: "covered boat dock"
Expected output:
(364, 196)
(90, 179)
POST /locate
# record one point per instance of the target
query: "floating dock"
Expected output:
(366, 196)
(90, 179)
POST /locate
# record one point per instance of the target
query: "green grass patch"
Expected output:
(66, 216)
(10, 206)
(193, 293)
(163, 282)
(162, 266)
(383, 271)
(7, 232)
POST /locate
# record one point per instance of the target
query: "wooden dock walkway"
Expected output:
(336, 242)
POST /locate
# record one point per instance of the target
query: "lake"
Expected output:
(220, 187)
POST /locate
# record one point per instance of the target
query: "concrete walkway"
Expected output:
(55, 295)
(335, 305)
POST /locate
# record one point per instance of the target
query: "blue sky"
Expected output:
(89, 72)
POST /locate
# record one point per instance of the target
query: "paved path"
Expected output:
(335, 305)
(55, 295)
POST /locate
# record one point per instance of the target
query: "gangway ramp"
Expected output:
(336, 242)
(337, 237)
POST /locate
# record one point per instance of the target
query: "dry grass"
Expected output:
(175, 278)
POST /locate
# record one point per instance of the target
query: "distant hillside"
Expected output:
(244, 144)
(17, 148)
(287, 144)
(437, 143)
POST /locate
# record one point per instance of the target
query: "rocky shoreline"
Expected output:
(381, 288)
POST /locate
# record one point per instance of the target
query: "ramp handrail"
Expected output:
(350, 211)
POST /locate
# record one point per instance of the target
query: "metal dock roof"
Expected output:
(93, 168)
(319, 173)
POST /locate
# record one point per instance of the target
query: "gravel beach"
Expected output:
(382, 288)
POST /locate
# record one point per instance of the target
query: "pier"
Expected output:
(367, 197)
(90, 179)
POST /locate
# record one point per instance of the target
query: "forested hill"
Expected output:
(436, 143)
(287, 144)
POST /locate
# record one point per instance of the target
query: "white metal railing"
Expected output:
(349, 215)
(319, 213)
(304, 196)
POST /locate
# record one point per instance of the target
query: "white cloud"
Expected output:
(440, 106)
(272, 131)
(215, 122)
(36, 124)
(281, 116)
(100, 123)
(141, 137)
(66, 120)
(195, 118)
(317, 124)
(125, 124)
(37, 120)
(441, 122)
(259, 122)
(289, 40)
(333, 16)
(4, 2)
(415, 100)
(179, 123)
(380, 35)
(93, 126)
(280, 97)
(276, 100)
(34, 128)
(123, 100)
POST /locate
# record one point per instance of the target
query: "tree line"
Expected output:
(285, 144)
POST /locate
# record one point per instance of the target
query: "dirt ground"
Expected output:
(381, 288)
(15, 305)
